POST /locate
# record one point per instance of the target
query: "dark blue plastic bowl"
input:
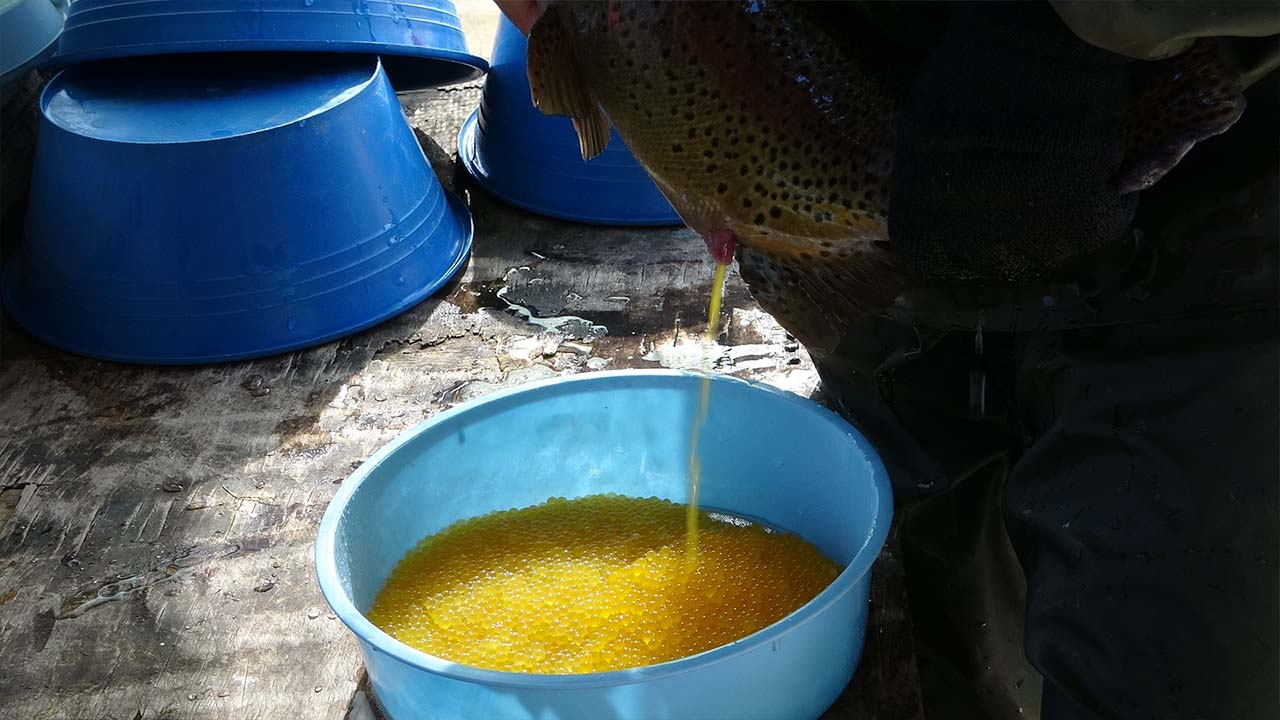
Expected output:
(421, 41)
(532, 160)
(191, 212)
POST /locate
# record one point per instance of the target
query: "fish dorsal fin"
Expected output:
(1193, 97)
(558, 85)
(817, 297)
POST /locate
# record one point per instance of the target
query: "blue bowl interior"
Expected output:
(532, 160)
(422, 42)
(766, 454)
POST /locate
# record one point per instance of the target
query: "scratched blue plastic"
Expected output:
(190, 212)
(421, 41)
(532, 160)
(28, 35)
(766, 454)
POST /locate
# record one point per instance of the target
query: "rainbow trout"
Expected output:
(773, 140)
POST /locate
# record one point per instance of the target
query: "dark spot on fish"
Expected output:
(808, 207)
(805, 256)
(677, 148)
(666, 53)
(715, 142)
(746, 202)
(743, 171)
(722, 188)
(795, 207)
(832, 197)
(824, 253)
(693, 133)
(759, 218)
(862, 204)
(712, 167)
(733, 140)
(775, 212)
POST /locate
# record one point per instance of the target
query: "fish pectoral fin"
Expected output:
(817, 297)
(558, 85)
(1194, 97)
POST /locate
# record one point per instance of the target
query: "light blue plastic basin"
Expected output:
(766, 454)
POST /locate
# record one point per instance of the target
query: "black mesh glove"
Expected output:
(1006, 148)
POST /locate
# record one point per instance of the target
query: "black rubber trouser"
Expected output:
(1088, 493)
(1135, 470)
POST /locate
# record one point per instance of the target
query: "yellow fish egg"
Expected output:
(599, 583)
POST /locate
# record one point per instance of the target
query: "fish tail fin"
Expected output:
(558, 85)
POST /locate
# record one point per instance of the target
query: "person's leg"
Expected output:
(908, 391)
(1145, 517)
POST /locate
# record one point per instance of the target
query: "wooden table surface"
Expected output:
(156, 524)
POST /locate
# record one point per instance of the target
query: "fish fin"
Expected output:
(818, 298)
(558, 85)
(1193, 97)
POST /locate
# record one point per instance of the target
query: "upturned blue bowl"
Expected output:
(420, 41)
(28, 35)
(192, 211)
(532, 160)
(766, 454)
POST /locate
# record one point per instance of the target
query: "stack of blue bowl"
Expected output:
(244, 194)
(532, 160)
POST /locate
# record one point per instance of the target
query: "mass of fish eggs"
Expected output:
(598, 583)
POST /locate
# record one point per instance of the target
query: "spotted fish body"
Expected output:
(752, 123)
(758, 126)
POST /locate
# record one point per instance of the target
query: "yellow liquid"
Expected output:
(695, 434)
(593, 584)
